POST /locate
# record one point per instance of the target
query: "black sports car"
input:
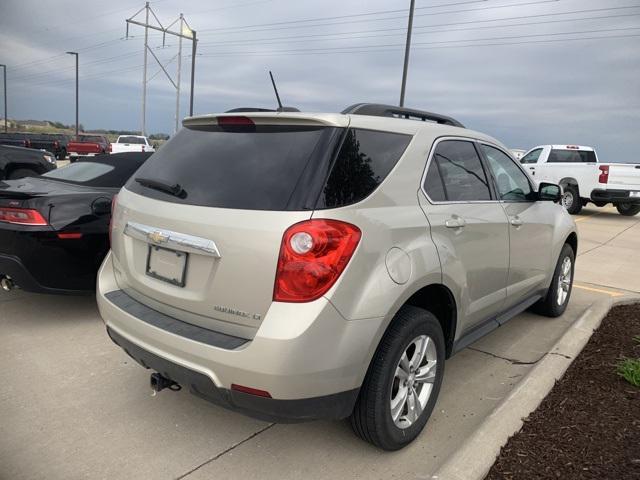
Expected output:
(54, 228)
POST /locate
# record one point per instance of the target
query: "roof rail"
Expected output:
(379, 110)
(255, 109)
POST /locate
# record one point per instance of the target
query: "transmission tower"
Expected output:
(185, 32)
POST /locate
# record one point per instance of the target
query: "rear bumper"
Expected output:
(13, 267)
(334, 406)
(614, 196)
(307, 356)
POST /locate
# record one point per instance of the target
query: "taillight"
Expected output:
(604, 174)
(56, 144)
(113, 209)
(143, 148)
(110, 149)
(235, 121)
(313, 254)
(21, 216)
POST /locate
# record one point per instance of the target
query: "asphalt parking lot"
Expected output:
(73, 405)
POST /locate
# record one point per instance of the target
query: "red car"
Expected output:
(88, 145)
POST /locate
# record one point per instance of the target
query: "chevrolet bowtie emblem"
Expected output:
(158, 237)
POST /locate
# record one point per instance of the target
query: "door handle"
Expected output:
(455, 222)
(515, 221)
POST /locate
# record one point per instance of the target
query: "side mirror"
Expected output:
(549, 192)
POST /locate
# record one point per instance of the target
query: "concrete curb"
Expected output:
(478, 453)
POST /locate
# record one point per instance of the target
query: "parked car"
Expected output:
(88, 145)
(584, 178)
(132, 143)
(15, 140)
(18, 162)
(54, 228)
(296, 266)
(53, 142)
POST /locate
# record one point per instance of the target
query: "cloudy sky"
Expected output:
(525, 71)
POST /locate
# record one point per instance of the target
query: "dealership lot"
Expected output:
(73, 405)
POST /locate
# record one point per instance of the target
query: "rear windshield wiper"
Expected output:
(176, 190)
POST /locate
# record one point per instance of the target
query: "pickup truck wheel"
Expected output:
(571, 200)
(555, 301)
(21, 173)
(628, 209)
(402, 384)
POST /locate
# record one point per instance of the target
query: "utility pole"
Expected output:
(5, 96)
(194, 42)
(77, 109)
(179, 75)
(144, 75)
(406, 54)
(186, 32)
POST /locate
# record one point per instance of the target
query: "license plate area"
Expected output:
(167, 265)
(634, 194)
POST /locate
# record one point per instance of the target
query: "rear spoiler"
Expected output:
(274, 118)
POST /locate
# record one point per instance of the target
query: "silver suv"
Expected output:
(297, 266)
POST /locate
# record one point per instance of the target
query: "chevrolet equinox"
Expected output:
(296, 266)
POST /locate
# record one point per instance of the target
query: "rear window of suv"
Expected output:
(271, 167)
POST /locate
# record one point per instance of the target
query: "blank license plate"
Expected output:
(167, 265)
(634, 194)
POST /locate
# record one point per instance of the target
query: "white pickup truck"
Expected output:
(132, 143)
(584, 179)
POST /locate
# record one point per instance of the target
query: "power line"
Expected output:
(337, 17)
(417, 44)
(401, 30)
(223, 31)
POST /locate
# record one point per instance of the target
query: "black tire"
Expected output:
(628, 209)
(549, 306)
(21, 173)
(571, 200)
(371, 419)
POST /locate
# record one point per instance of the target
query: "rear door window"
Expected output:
(462, 177)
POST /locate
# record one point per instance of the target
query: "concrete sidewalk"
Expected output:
(73, 405)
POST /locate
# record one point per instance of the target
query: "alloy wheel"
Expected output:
(564, 281)
(413, 381)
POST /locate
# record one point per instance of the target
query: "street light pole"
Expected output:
(5, 96)
(406, 53)
(76, 55)
(194, 43)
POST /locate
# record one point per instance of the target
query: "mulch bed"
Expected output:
(588, 427)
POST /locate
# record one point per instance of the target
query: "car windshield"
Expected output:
(136, 140)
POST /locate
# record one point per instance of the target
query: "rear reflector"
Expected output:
(235, 121)
(250, 391)
(21, 216)
(70, 236)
